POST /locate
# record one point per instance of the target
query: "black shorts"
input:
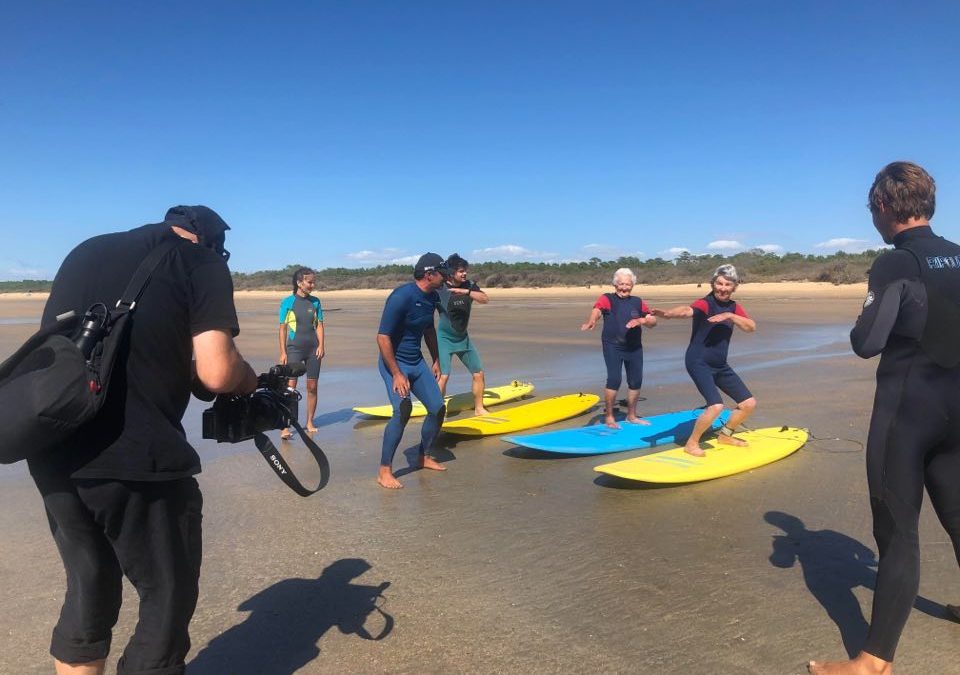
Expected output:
(710, 381)
(149, 531)
(307, 357)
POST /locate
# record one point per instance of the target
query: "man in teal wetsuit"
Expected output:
(301, 337)
(457, 296)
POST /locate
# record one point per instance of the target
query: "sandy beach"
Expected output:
(511, 563)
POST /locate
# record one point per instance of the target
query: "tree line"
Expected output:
(754, 265)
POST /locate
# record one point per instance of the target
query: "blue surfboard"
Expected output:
(598, 439)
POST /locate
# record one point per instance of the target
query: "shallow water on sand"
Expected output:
(508, 563)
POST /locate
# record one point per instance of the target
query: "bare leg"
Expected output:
(863, 664)
(311, 404)
(609, 400)
(738, 417)
(704, 422)
(386, 478)
(479, 384)
(442, 383)
(286, 434)
(633, 395)
(89, 668)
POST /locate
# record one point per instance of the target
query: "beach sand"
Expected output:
(511, 563)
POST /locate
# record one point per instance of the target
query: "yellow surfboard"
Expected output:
(676, 466)
(459, 402)
(526, 416)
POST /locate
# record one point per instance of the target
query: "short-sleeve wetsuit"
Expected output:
(406, 314)
(622, 346)
(706, 357)
(912, 317)
(452, 337)
(302, 316)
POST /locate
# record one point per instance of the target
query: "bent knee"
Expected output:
(748, 405)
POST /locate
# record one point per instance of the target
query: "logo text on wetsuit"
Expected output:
(940, 262)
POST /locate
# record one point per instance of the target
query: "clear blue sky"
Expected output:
(354, 133)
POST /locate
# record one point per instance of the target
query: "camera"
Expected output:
(233, 419)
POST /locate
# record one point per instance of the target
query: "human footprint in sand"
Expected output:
(623, 316)
(714, 318)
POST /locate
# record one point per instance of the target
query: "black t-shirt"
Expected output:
(138, 435)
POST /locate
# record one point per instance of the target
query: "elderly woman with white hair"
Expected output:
(623, 315)
(714, 318)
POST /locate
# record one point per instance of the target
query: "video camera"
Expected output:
(233, 419)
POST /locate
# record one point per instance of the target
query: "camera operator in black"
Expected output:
(912, 318)
(120, 497)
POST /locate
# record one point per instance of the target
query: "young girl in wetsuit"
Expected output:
(714, 317)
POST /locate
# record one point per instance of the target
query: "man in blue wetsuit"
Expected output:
(408, 318)
(911, 316)
(714, 318)
(301, 337)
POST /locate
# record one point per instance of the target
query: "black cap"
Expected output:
(203, 222)
(430, 262)
(197, 219)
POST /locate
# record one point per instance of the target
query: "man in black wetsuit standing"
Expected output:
(911, 316)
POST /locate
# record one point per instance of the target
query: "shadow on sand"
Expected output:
(288, 619)
(833, 566)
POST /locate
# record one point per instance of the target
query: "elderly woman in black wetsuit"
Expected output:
(623, 315)
(714, 317)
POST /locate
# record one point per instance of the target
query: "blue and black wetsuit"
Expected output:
(912, 317)
(406, 314)
(622, 347)
(706, 357)
(302, 315)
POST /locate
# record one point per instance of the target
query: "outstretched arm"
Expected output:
(678, 312)
(591, 320)
(744, 323)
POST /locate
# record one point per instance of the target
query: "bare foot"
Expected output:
(633, 419)
(428, 462)
(694, 450)
(387, 480)
(863, 664)
(312, 430)
(611, 423)
(731, 440)
(480, 410)
(286, 435)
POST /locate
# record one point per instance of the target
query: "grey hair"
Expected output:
(728, 272)
(624, 272)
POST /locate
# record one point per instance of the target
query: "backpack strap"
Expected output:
(141, 277)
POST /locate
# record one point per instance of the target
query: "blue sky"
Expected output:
(357, 133)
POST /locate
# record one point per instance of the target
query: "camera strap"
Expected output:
(282, 468)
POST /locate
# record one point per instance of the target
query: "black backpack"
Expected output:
(49, 388)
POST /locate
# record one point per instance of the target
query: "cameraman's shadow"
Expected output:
(289, 618)
(833, 565)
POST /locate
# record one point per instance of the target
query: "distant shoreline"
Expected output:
(763, 289)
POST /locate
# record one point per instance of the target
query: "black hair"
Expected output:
(455, 262)
(299, 275)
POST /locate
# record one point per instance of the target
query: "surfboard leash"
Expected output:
(813, 439)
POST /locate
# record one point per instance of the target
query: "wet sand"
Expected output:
(516, 563)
